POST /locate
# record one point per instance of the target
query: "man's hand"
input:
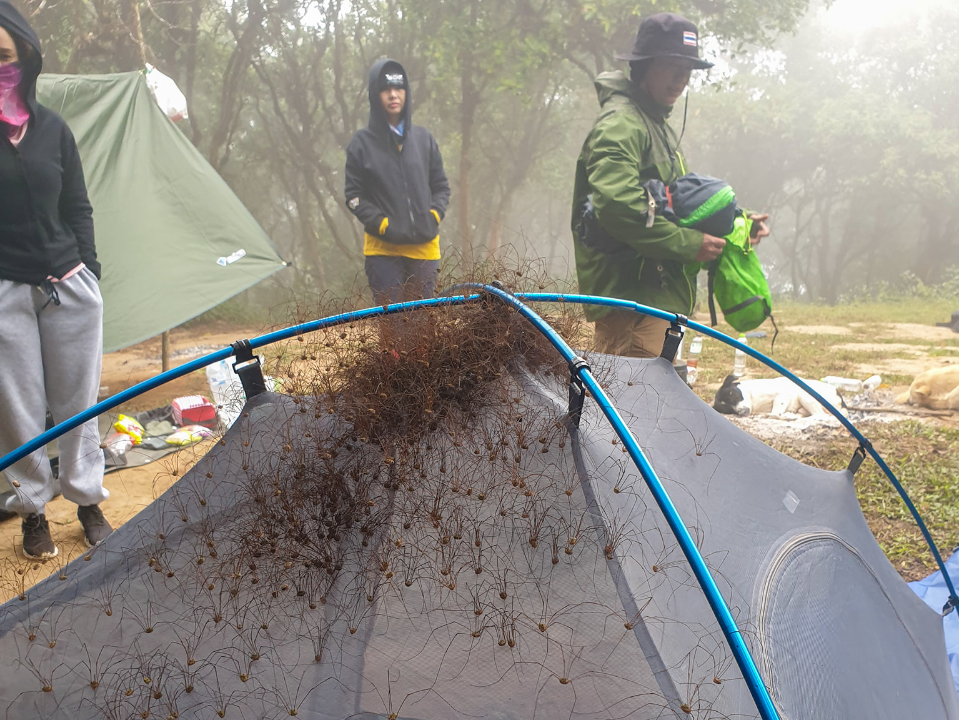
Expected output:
(759, 229)
(711, 248)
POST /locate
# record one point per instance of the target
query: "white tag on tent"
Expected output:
(224, 261)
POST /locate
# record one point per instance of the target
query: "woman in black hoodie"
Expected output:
(396, 187)
(51, 312)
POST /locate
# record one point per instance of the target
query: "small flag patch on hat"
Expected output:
(689, 38)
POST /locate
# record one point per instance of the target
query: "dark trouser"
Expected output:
(396, 279)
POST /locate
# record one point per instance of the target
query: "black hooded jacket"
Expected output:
(46, 222)
(387, 176)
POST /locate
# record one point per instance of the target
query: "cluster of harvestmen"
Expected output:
(448, 500)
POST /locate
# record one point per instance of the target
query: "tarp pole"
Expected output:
(165, 351)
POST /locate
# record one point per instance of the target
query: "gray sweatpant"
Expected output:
(50, 357)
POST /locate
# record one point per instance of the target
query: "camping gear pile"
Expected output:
(187, 420)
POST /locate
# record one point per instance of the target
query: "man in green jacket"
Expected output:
(653, 263)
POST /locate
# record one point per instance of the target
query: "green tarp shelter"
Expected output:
(173, 238)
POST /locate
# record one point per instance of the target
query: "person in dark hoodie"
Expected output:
(396, 187)
(51, 312)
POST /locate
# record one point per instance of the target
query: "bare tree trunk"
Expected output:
(230, 99)
(463, 186)
(468, 107)
(190, 70)
(138, 32)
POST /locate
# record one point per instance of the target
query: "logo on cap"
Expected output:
(396, 79)
(689, 38)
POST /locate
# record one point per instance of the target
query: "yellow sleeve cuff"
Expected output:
(436, 215)
(383, 225)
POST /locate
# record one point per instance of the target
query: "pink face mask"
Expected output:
(13, 110)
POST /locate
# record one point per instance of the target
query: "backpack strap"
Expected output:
(746, 303)
(711, 274)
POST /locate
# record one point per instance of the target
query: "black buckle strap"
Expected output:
(672, 338)
(859, 455)
(247, 366)
(577, 393)
(950, 605)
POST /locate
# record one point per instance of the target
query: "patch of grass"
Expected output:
(814, 355)
(924, 459)
(924, 311)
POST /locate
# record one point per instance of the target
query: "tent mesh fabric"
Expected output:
(508, 565)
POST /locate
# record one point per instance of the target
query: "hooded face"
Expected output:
(393, 99)
(389, 93)
(19, 43)
(8, 48)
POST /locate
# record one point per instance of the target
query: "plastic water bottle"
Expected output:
(848, 385)
(227, 391)
(740, 358)
(693, 358)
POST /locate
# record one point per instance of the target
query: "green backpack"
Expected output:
(736, 281)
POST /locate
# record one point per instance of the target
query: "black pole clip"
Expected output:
(673, 337)
(859, 455)
(577, 393)
(950, 606)
(247, 366)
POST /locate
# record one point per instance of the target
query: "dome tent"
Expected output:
(448, 590)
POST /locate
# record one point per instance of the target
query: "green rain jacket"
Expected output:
(631, 143)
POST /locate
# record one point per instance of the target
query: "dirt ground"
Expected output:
(135, 488)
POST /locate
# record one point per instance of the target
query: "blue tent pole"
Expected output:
(865, 444)
(342, 318)
(201, 362)
(728, 625)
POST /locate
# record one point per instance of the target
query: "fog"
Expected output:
(840, 122)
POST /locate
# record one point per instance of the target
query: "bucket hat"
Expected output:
(667, 35)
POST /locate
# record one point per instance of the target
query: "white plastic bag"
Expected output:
(227, 390)
(167, 94)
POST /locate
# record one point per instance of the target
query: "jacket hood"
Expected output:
(378, 116)
(611, 84)
(14, 23)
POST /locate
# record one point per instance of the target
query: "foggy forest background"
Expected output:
(852, 146)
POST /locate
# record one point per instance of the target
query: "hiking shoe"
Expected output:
(95, 525)
(37, 543)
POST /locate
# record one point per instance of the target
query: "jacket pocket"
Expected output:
(664, 285)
